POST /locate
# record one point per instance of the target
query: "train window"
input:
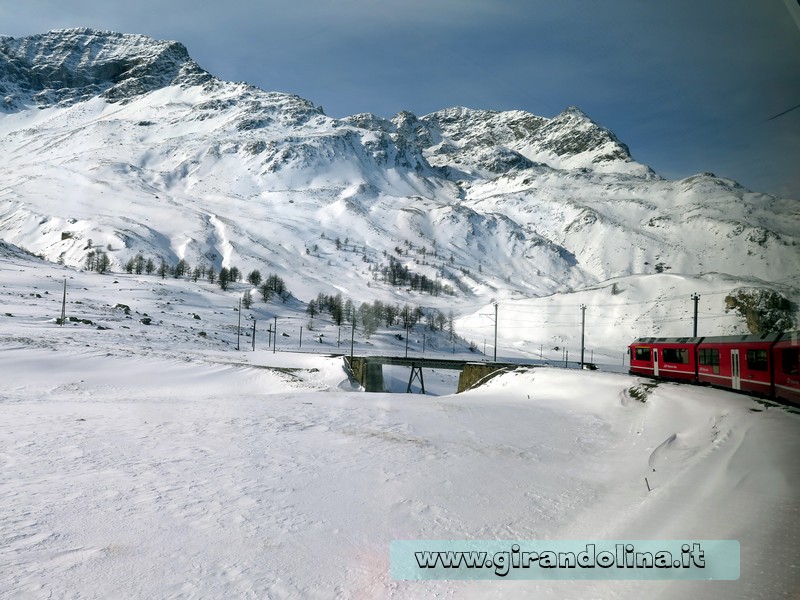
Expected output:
(790, 361)
(757, 360)
(676, 355)
(709, 356)
(643, 354)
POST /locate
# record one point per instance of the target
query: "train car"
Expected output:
(738, 362)
(786, 361)
(668, 358)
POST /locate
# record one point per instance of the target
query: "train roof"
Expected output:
(727, 339)
(664, 340)
(789, 336)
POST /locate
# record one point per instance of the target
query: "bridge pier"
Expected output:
(416, 373)
(475, 374)
(368, 374)
(373, 378)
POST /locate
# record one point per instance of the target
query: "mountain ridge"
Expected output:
(70, 65)
(159, 157)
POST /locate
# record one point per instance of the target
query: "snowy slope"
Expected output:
(141, 455)
(126, 143)
(149, 461)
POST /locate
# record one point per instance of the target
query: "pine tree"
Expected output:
(224, 278)
(348, 310)
(366, 313)
(337, 309)
(102, 262)
(441, 320)
(163, 269)
(254, 277)
(266, 292)
(312, 309)
(390, 314)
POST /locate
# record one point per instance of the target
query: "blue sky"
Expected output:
(689, 86)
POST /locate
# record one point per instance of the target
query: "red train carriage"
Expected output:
(669, 358)
(762, 364)
(786, 362)
(738, 362)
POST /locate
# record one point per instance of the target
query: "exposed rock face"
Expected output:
(765, 311)
(66, 66)
(484, 142)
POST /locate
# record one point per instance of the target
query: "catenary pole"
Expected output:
(495, 331)
(353, 336)
(239, 327)
(583, 327)
(64, 304)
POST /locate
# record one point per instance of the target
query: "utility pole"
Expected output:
(239, 327)
(583, 327)
(64, 304)
(275, 331)
(353, 337)
(301, 337)
(269, 331)
(254, 335)
(696, 299)
(495, 332)
(566, 359)
(407, 330)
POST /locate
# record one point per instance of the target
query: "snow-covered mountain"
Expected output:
(123, 143)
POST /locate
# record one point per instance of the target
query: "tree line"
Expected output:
(269, 287)
(370, 315)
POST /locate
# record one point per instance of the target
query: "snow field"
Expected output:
(145, 477)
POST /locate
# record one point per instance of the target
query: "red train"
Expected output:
(767, 365)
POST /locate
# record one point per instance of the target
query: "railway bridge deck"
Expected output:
(368, 370)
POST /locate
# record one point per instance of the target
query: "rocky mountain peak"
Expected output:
(572, 132)
(574, 112)
(69, 65)
(487, 141)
